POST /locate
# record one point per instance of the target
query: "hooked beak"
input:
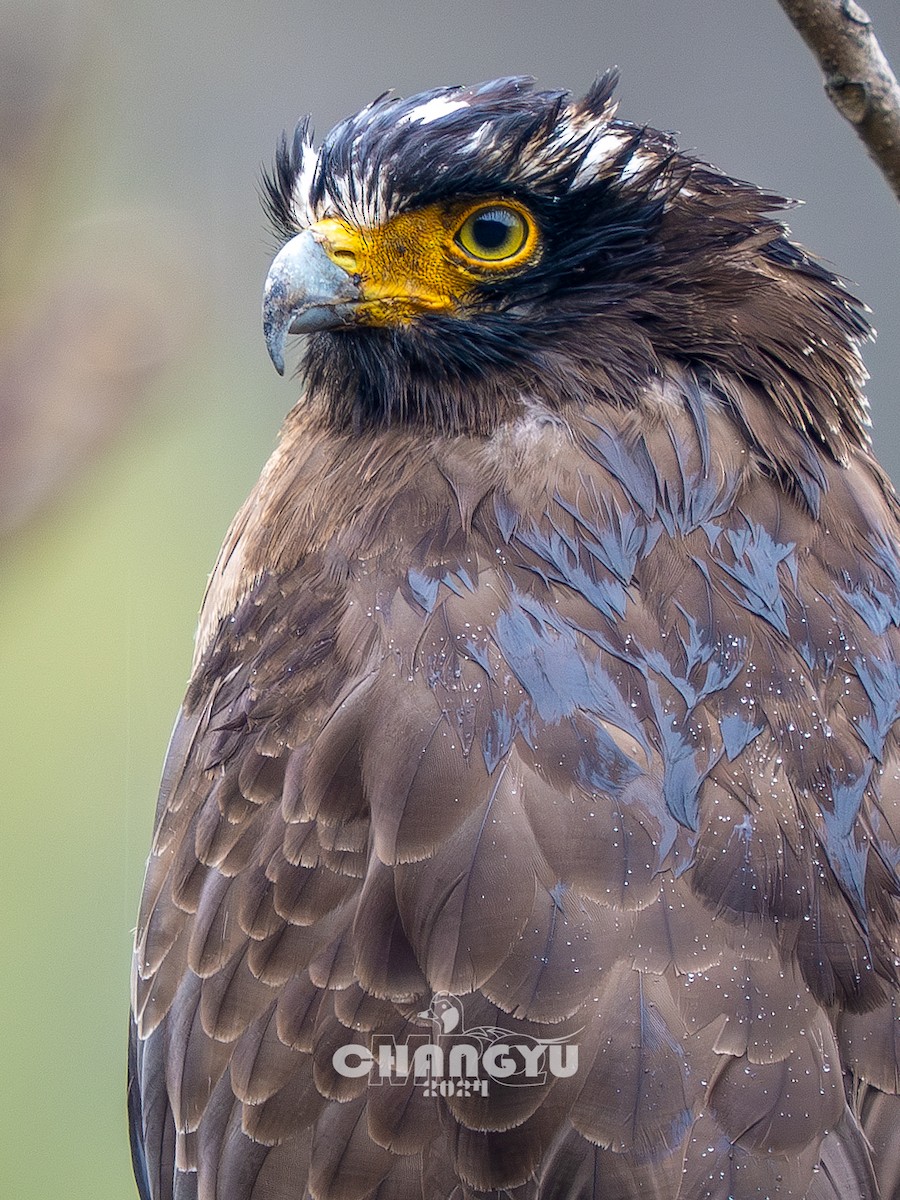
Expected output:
(305, 292)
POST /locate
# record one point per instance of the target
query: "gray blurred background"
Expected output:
(137, 403)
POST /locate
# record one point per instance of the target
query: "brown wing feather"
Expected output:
(588, 724)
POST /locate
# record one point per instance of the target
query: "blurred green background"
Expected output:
(137, 404)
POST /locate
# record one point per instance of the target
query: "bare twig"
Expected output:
(858, 77)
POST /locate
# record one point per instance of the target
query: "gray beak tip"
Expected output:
(275, 335)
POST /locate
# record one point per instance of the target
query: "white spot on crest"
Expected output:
(483, 134)
(635, 165)
(433, 110)
(303, 185)
(602, 151)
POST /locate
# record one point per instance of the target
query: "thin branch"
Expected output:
(858, 77)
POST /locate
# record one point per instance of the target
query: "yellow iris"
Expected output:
(494, 233)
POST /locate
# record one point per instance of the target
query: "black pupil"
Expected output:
(492, 229)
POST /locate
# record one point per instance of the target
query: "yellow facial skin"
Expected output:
(430, 259)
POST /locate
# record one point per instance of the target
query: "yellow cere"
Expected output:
(429, 259)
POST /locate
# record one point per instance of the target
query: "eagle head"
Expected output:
(466, 253)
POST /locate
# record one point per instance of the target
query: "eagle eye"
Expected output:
(496, 233)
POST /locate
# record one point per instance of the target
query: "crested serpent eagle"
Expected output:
(531, 824)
